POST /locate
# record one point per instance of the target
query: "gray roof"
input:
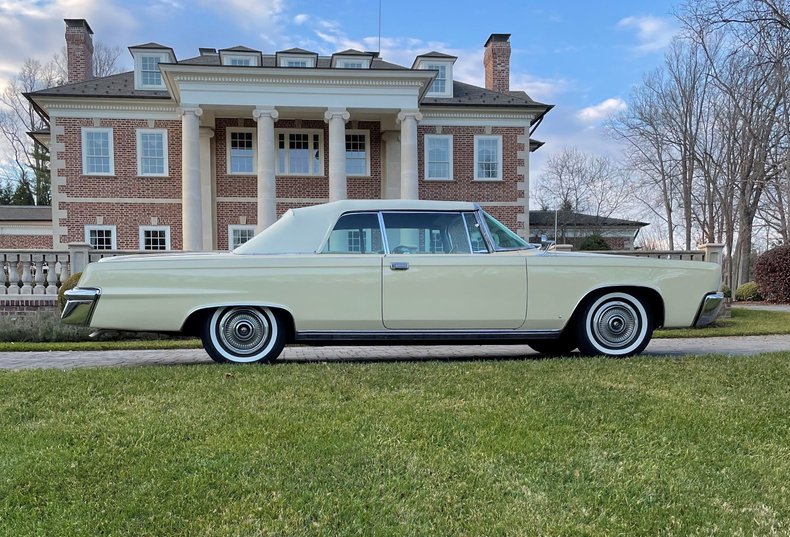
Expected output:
(25, 213)
(120, 85)
(151, 45)
(297, 51)
(574, 219)
(434, 54)
(352, 52)
(468, 95)
(239, 48)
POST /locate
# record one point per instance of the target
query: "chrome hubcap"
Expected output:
(244, 330)
(616, 324)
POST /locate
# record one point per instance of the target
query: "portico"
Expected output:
(210, 92)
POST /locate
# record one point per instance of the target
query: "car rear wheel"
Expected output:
(553, 347)
(614, 324)
(243, 334)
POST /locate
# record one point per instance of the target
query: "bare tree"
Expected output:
(577, 181)
(29, 173)
(106, 61)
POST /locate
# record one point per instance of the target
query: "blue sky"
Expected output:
(581, 56)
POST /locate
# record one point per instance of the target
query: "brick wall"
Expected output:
(26, 242)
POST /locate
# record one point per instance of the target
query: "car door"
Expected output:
(439, 275)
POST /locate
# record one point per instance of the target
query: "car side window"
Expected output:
(426, 233)
(356, 233)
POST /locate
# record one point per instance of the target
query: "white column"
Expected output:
(208, 188)
(337, 117)
(409, 187)
(191, 199)
(391, 167)
(267, 183)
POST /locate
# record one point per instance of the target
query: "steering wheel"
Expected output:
(401, 249)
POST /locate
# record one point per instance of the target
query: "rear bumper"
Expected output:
(709, 310)
(80, 303)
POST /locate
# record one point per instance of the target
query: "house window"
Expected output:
(296, 60)
(97, 151)
(439, 84)
(238, 235)
(152, 152)
(149, 70)
(154, 238)
(100, 237)
(296, 63)
(299, 152)
(438, 157)
(488, 158)
(357, 153)
(352, 64)
(241, 151)
(240, 61)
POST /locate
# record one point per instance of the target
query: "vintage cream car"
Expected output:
(396, 271)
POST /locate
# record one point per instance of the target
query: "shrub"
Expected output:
(747, 291)
(772, 274)
(727, 291)
(40, 326)
(594, 242)
(70, 283)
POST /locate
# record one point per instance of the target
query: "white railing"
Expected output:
(40, 273)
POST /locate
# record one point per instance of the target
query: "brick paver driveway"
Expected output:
(674, 347)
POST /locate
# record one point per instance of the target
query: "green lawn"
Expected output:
(643, 446)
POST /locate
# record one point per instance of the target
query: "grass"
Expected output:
(743, 322)
(645, 446)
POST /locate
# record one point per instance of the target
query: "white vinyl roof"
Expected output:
(303, 230)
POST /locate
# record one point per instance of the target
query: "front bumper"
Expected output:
(80, 303)
(709, 311)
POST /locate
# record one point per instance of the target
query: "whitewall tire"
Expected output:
(242, 335)
(614, 324)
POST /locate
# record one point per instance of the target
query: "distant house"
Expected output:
(200, 153)
(24, 227)
(573, 228)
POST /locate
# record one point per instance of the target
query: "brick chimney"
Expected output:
(79, 50)
(496, 61)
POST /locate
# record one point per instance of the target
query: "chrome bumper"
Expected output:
(709, 311)
(80, 303)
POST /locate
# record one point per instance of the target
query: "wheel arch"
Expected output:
(194, 320)
(651, 297)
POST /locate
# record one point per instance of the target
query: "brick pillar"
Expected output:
(496, 60)
(79, 50)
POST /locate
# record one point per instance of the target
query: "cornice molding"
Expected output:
(292, 80)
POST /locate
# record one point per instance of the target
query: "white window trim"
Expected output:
(228, 58)
(311, 132)
(497, 137)
(234, 227)
(110, 146)
(366, 133)
(283, 59)
(448, 82)
(254, 132)
(97, 227)
(141, 236)
(343, 63)
(425, 157)
(138, 70)
(163, 132)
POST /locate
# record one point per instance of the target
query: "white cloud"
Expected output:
(601, 110)
(261, 14)
(301, 18)
(540, 89)
(653, 33)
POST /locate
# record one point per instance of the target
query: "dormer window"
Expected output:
(351, 59)
(147, 58)
(240, 57)
(296, 57)
(442, 85)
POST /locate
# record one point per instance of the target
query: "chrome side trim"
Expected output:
(80, 303)
(709, 310)
(423, 336)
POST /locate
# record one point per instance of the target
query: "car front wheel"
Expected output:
(614, 324)
(243, 334)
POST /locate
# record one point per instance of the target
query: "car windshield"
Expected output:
(503, 238)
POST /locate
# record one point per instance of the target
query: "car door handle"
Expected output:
(399, 265)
